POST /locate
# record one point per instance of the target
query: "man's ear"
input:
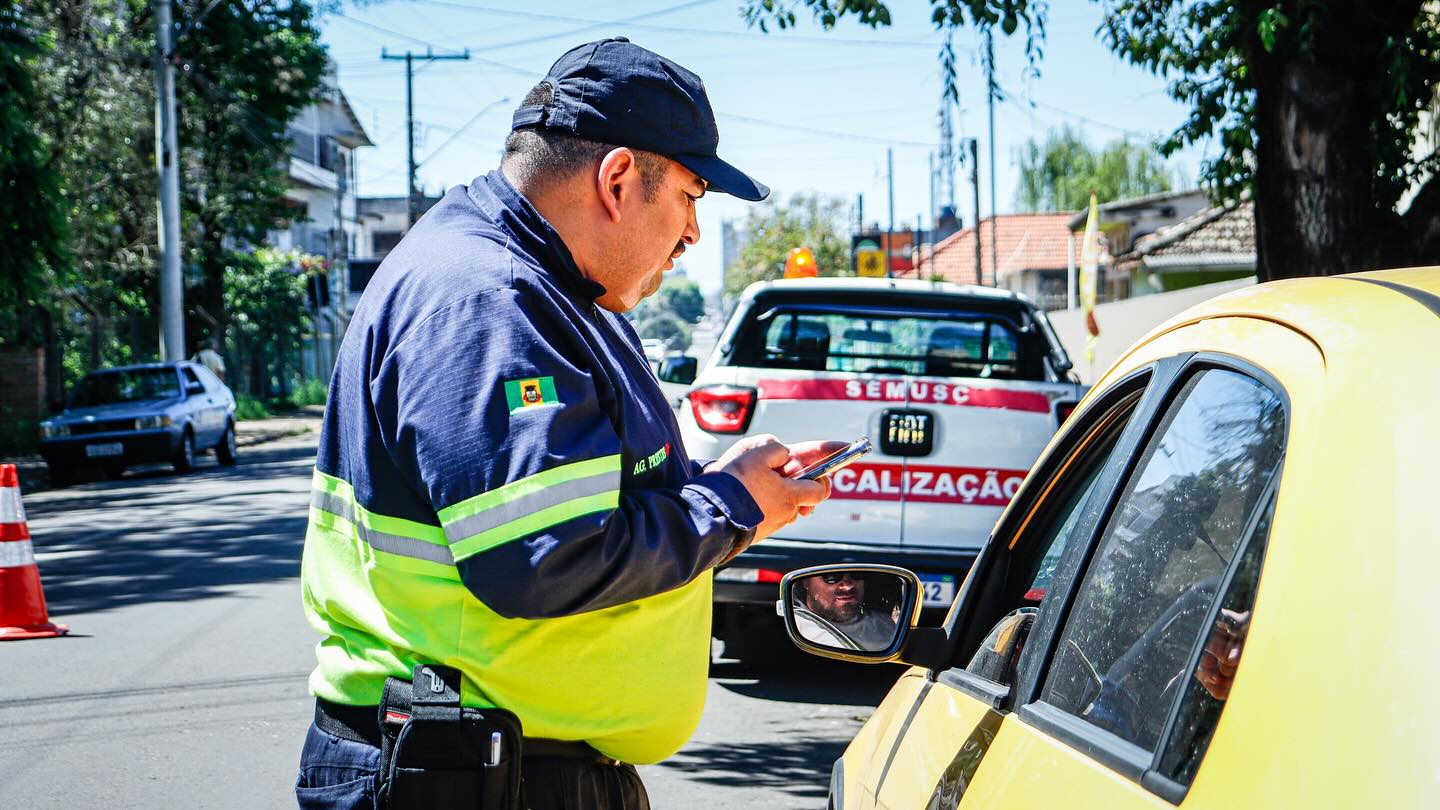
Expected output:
(616, 181)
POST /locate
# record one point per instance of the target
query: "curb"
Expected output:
(261, 437)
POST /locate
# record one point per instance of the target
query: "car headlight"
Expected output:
(51, 430)
(153, 422)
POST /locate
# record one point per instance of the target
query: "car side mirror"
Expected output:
(998, 658)
(194, 388)
(680, 369)
(851, 612)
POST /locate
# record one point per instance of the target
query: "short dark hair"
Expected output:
(535, 155)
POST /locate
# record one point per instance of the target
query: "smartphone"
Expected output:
(836, 460)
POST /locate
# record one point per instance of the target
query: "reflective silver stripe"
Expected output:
(405, 546)
(15, 553)
(378, 540)
(530, 503)
(332, 503)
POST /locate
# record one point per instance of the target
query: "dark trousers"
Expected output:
(339, 774)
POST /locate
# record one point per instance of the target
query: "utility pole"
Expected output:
(172, 291)
(890, 183)
(975, 184)
(990, 94)
(411, 206)
(930, 174)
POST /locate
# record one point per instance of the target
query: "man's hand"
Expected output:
(760, 463)
(1221, 656)
(803, 454)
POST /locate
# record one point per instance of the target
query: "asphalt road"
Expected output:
(182, 683)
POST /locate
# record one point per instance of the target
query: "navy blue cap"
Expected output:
(614, 91)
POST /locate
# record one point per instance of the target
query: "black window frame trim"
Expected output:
(1080, 425)
(1104, 747)
(1118, 469)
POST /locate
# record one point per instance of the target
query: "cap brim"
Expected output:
(724, 178)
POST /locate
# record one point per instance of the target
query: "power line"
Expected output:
(1014, 99)
(432, 46)
(849, 136)
(633, 23)
(461, 130)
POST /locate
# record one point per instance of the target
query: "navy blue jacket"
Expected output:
(481, 390)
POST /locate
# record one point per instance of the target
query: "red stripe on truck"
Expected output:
(914, 392)
(966, 486)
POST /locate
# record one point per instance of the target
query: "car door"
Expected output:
(954, 720)
(200, 402)
(1116, 702)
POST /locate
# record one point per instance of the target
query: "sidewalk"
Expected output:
(259, 431)
(35, 477)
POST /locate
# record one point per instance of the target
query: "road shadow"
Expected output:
(179, 537)
(798, 766)
(803, 678)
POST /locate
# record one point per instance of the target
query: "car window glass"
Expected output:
(189, 375)
(1143, 600)
(212, 383)
(1040, 586)
(1208, 687)
(130, 385)
(998, 656)
(1036, 556)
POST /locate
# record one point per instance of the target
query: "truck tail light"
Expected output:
(723, 408)
(760, 575)
(1063, 411)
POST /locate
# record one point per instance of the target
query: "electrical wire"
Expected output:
(460, 131)
(849, 136)
(634, 23)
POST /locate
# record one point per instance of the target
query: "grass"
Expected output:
(247, 408)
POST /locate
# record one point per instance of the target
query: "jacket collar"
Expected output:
(532, 234)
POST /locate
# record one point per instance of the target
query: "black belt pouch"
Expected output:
(443, 755)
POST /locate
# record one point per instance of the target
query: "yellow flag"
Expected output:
(1089, 274)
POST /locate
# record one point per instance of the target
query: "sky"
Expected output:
(802, 110)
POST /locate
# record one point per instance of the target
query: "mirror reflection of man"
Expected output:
(834, 612)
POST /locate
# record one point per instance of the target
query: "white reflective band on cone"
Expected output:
(11, 509)
(16, 553)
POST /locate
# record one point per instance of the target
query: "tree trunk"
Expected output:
(1314, 203)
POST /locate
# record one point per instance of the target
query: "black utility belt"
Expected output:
(360, 724)
(436, 753)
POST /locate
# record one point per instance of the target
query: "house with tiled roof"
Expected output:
(1216, 244)
(1031, 255)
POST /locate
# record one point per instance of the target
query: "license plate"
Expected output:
(939, 589)
(102, 450)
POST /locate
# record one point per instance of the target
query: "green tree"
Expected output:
(1060, 174)
(683, 298)
(265, 296)
(246, 67)
(1316, 107)
(250, 67)
(774, 228)
(666, 327)
(33, 231)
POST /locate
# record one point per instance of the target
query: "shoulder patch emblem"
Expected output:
(533, 392)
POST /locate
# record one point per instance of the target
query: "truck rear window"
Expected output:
(942, 344)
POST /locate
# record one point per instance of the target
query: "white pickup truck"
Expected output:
(959, 389)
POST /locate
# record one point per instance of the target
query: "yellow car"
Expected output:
(1216, 587)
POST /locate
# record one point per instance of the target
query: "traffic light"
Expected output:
(800, 263)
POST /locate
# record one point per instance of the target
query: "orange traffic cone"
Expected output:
(22, 600)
